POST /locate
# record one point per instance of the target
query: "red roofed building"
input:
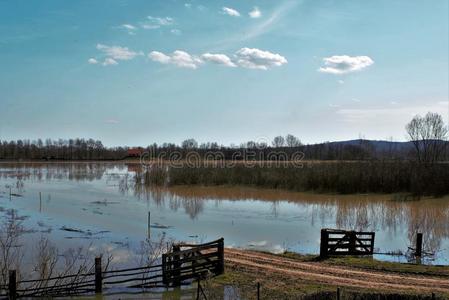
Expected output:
(135, 152)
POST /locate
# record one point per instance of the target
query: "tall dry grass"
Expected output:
(324, 177)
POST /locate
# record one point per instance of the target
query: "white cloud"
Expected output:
(220, 59)
(178, 58)
(157, 22)
(117, 52)
(161, 21)
(255, 13)
(443, 103)
(176, 31)
(253, 58)
(341, 64)
(245, 57)
(188, 5)
(334, 105)
(131, 29)
(92, 61)
(128, 27)
(230, 11)
(159, 57)
(109, 62)
(341, 81)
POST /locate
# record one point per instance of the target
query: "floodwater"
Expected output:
(99, 207)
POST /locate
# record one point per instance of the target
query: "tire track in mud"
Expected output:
(336, 275)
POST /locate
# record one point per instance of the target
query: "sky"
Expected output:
(135, 72)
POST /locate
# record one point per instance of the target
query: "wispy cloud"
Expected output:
(269, 23)
(161, 21)
(396, 114)
(131, 29)
(178, 58)
(112, 121)
(342, 64)
(157, 22)
(118, 52)
(220, 59)
(253, 58)
(230, 11)
(128, 26)
(255, 13)
(176, 31)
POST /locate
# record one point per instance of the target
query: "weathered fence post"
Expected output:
(372, 243)
(352, 239)
(338, 293)
(433, 296)
(98, 275)
(220, 269)
(164, 269)
(418, 251)
(323, 243)
(258, 291)
(12, 285)
(149, 225)
(176, 266)
(40, 202)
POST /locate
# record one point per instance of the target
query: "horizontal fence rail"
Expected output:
(342, 242)
(186, 261)
(189, 261)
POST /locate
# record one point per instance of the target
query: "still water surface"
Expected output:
(102, 201)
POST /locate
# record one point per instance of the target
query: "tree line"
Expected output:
(427, 144)
(61, 149)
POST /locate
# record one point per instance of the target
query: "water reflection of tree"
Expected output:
(357, 212)
(57, 171)
(432, 222)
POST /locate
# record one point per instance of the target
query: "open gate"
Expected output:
(189, 261)
(342, 242)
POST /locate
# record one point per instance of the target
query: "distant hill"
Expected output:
(378, 145)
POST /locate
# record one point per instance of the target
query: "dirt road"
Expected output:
(336, 275)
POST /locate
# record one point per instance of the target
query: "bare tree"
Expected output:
(11, 254)
(278, 141)
(189, 144)
(292, 141)
(151, 250)
(429, 137)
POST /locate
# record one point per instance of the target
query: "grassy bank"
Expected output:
(322, 177)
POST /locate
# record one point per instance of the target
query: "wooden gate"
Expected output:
(342, 242)
(189, 261)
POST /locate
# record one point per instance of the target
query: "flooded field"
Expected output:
(98, 206)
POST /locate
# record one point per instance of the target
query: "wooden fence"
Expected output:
(192, 262)
(176, 267)
(341, 242)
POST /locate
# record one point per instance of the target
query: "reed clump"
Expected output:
(322, 177)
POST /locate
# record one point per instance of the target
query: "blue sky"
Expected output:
(136, 72)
